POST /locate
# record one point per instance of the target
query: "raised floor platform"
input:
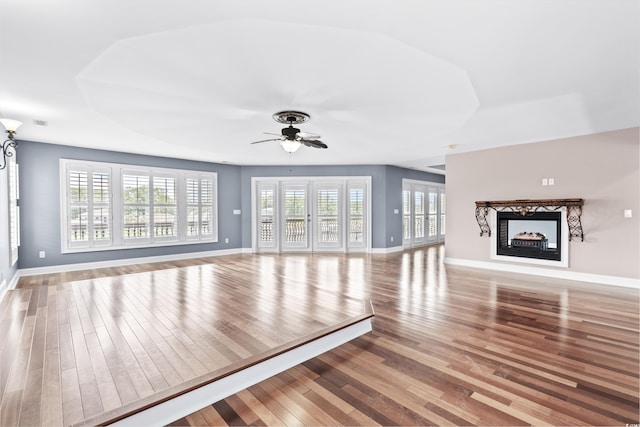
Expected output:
(148, 348)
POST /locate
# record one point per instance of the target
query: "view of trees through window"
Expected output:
(149, 206)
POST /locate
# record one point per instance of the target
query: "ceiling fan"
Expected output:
(292, 138)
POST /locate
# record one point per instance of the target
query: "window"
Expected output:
(199, 207)
(406, 214)
(423, 209)
(111, 206)
(136, 204)
(14, 209)
(88, 219)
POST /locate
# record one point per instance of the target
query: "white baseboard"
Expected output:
(387, 250)
(626, 282)
(117, 263)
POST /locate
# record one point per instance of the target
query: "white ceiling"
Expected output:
(385, 81)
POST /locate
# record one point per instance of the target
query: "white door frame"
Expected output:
(345, 183)
(412, 185)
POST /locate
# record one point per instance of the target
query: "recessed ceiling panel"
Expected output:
(208, 84)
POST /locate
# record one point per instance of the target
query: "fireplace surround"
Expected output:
(537, 235)
(531, 231)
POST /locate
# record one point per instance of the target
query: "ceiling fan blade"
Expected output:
(307, 135)
(314, 143)
(267, 140)
(271, 133)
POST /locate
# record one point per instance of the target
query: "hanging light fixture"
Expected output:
(290, 146)
(9, 145)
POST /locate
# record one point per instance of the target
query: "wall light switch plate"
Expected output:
(545, 181)
(237, 211)
(628, 213)
(552, 181)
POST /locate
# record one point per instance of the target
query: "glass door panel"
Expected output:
(443, 214)
(328, 229)
(419, 210)
(267, 223)
(295, 217)
(406, 217)
(433, 215)
(357, 221)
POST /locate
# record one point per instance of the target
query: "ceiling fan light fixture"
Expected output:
(290, 146)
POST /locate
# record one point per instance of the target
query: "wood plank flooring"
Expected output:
(88, 351)
(457, 346)
(450, 346)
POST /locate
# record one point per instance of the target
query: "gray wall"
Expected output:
(602, 169)
(40, 201)
(386, 194)
(40, 204)
(393, 201)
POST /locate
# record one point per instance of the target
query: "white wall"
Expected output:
(602, 169)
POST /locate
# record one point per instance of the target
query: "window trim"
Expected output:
(13, 190)
(118, 241)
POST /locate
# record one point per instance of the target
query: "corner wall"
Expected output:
(602, 169)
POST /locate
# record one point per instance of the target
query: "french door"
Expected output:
(423, 213)
(296, 218)
(311, 215)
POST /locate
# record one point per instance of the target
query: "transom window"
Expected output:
(112, 206)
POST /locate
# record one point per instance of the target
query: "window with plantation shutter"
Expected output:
(136, 204)
(200, 214)
(14, 209)
(88, 206)
(165, 208)
(112, 206)
(423, 204)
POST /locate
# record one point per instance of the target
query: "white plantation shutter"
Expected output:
(88, 207)
(165, 208)
(200, 207)
(136, 203)
(14, 209)
(357, 216)
(115, 206)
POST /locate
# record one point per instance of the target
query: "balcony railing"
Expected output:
(328, 230)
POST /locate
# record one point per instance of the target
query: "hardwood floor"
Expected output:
(90, 351)
(450, 345)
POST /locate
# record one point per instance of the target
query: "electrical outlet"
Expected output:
(552, 181)
(392, 238)
(226, 240)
